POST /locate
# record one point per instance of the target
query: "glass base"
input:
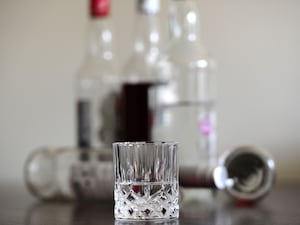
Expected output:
(146, 201)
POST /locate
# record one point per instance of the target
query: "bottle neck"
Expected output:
(184, 20)
(100, 39)
(147, 33)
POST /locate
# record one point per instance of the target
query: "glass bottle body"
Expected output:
(246, 172)
(69, 174)
(97, 88)
(138, 73)
(183, 104)
(97, 107)
(183, 114)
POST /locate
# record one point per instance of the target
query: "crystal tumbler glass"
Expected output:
(146, 180)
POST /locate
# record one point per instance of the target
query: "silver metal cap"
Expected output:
(251, 172)
(148, 6)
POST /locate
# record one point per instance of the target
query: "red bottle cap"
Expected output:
(99, 8)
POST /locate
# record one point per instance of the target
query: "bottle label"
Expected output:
(84, 124)
(99, 8)
(92, 180)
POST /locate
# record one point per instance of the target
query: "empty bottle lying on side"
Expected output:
(247, 173)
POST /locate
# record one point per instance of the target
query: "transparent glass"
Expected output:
(97, 88)
(148, 42)
(184, 103)
(146, 180)
(69, 174)
(164, 222)
(135, 116)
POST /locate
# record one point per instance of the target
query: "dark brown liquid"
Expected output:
(135, 116)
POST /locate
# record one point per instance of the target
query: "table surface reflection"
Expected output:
(17, 207)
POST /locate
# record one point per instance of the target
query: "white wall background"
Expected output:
(256, 44)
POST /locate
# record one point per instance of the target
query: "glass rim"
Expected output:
(131, 143)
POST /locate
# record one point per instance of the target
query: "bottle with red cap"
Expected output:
(70, 173)
(97, 82)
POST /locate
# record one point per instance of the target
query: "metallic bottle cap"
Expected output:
(251, 172)
(148, 6)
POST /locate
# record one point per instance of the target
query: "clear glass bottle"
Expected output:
(97, 83)
(70, 174)
(184, 104)
(247, 173)
(138, 73)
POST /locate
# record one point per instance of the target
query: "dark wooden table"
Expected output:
(17, 207)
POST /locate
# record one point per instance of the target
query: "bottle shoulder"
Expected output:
(98, 69)
(182, 57)
(185, 52)
(140, 66)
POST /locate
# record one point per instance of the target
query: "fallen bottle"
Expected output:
(247, 173)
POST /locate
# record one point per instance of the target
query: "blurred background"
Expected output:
(255, 44)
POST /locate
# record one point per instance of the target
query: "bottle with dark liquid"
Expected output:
(135, 116)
